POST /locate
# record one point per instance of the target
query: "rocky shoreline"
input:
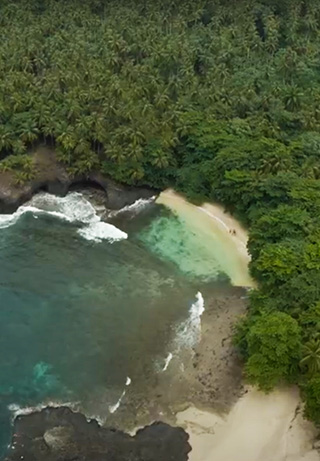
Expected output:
(207, 376)
(58, 434)
(51, 176)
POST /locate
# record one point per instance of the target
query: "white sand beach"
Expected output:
(218, 230)
(260, 427)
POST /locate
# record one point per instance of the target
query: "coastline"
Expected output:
(201, 389)
(53, 177)
(214, 225)
(257, 426)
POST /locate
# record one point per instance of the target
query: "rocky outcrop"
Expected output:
(52, 177)
(58, 434)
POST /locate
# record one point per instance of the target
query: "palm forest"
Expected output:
(219, 99)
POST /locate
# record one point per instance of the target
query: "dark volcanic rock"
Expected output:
(52, 177)
(58, 434)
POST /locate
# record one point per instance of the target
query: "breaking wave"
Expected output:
(74, 208)
(134, 209)
(114, 408)
(99, 231)
(167, 361)
(189, 333)
(17, 410)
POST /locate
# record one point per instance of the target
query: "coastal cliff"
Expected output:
(51, 176)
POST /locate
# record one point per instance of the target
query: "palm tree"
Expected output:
(160, 159)
(311, 356)
(29, 131)
(274, 163)
(292, 98)
(6, 137)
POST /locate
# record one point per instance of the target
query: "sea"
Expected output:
(89, 307)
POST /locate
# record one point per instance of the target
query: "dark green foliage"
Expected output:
(310, 322)
(311, 392)
(311, 356)
(284, 222)
(220, 99)
(274, 343)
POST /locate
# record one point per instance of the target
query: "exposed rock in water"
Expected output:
(58, 434)
(52, 177)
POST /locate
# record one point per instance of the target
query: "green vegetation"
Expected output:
(218, 98)
(274, 343)
(21, 165)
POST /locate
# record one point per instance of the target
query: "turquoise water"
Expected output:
(171, 240)
(81, 314)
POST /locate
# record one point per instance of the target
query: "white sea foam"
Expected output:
(189, 333)
(17, 410)
(134, 208)
(223, 224)
(101, 421)
(197, 308)
(7, 220)
(168, 360)
(73, 208)
(114, 408)
(102, 231)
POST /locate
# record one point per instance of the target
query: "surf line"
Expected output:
(73, 208)
(167, 361)
(114, 408)
(227, 228)
(135, 208)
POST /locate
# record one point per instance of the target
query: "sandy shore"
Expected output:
(258, 427)
(219, 230)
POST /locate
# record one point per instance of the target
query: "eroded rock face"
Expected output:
(53, 178)
(58, 434)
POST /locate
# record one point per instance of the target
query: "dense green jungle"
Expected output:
(219, 99)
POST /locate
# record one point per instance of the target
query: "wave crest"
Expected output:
(135, 208)
(189, 333)
(100, 231)
(73, 208)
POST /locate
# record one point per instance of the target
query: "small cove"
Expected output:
(80, 315)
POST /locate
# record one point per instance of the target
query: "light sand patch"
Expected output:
(260, 427)
(220, 232)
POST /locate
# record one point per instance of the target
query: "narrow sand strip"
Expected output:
(260, 427)
(219, 231)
